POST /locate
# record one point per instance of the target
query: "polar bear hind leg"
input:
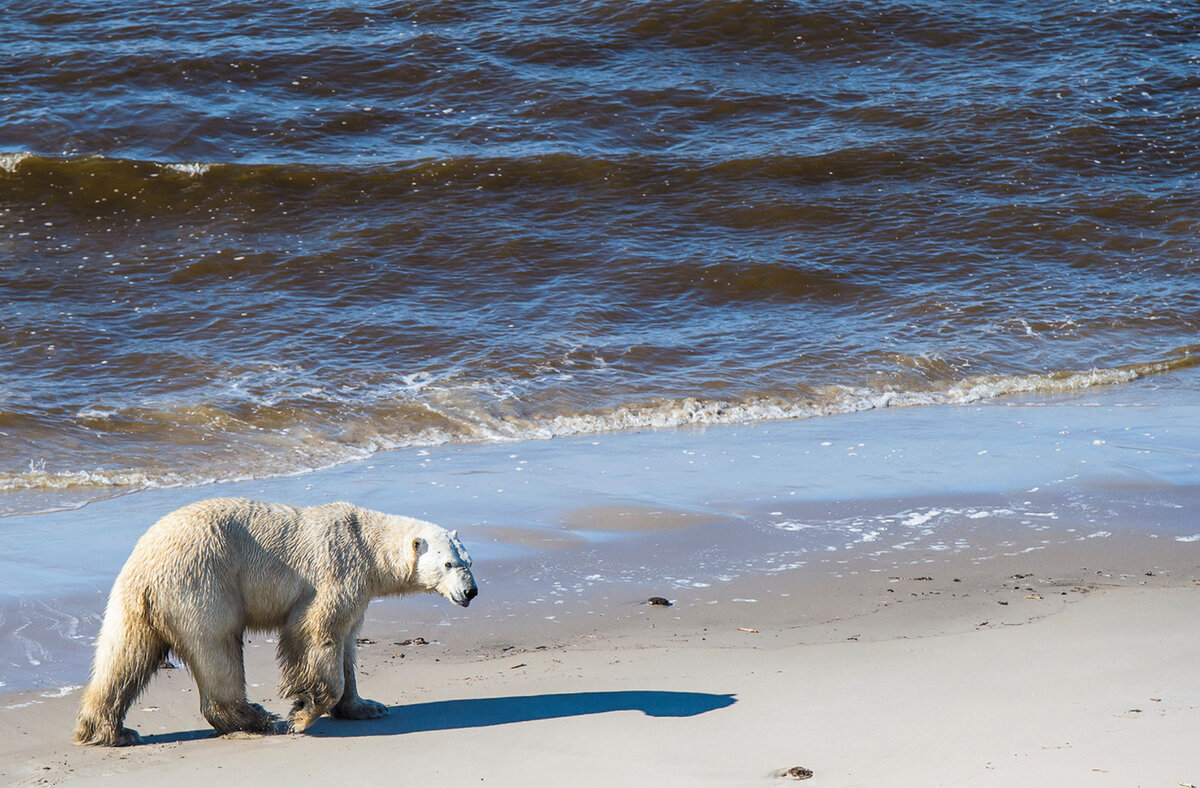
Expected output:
(128, 652)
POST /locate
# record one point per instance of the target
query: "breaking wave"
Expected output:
(294, 450)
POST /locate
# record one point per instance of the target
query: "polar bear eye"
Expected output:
(449, 565)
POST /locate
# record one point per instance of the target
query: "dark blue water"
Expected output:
(247, 239)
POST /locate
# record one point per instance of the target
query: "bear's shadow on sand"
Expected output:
(486, 712)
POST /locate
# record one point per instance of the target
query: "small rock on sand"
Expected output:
(412, 642)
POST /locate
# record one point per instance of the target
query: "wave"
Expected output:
(299, 450)
(843, 400)
(796, 27)
(9, 162)
(110, 185)
(724, 184)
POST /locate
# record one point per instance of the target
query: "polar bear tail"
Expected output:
(128, 652)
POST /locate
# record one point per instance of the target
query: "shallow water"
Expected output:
(245, 240)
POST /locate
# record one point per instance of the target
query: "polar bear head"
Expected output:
(443, 564)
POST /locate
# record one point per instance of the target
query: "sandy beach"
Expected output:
(933, 682)
(945, 596)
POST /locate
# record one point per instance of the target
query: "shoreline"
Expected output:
(917, 592)
(562, 522)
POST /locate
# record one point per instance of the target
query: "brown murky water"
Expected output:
(244, 240)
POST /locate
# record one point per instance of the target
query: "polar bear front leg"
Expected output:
(352, 706)
(311, 654)
(322, 685)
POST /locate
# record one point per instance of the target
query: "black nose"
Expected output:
(474, 592)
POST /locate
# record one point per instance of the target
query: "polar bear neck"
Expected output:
(393, 566)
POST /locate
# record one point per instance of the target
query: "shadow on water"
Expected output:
(486, 712)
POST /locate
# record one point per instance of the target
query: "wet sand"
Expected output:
(958, 596)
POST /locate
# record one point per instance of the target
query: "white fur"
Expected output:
(203, 575)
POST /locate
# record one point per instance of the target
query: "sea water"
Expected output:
(243, 243)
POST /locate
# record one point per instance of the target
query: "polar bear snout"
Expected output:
(460, 588)
(470, 594)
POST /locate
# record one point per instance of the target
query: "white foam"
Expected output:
(39, 479)
(10, 161)
(920, 518)
(24, 705)
(992, 386)
(827, 401)
(192, 168)
(94, 412)
(792, 525)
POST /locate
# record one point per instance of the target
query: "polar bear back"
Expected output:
(254, 561)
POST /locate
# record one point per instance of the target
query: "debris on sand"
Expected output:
(412, 642)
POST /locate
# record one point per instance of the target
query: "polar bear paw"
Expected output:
(127, 737)
(359, 709)
(95, 734)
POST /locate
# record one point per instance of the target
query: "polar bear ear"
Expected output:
(418, 543)
(454, 534)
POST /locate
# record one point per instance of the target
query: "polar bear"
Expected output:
(203, 575)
